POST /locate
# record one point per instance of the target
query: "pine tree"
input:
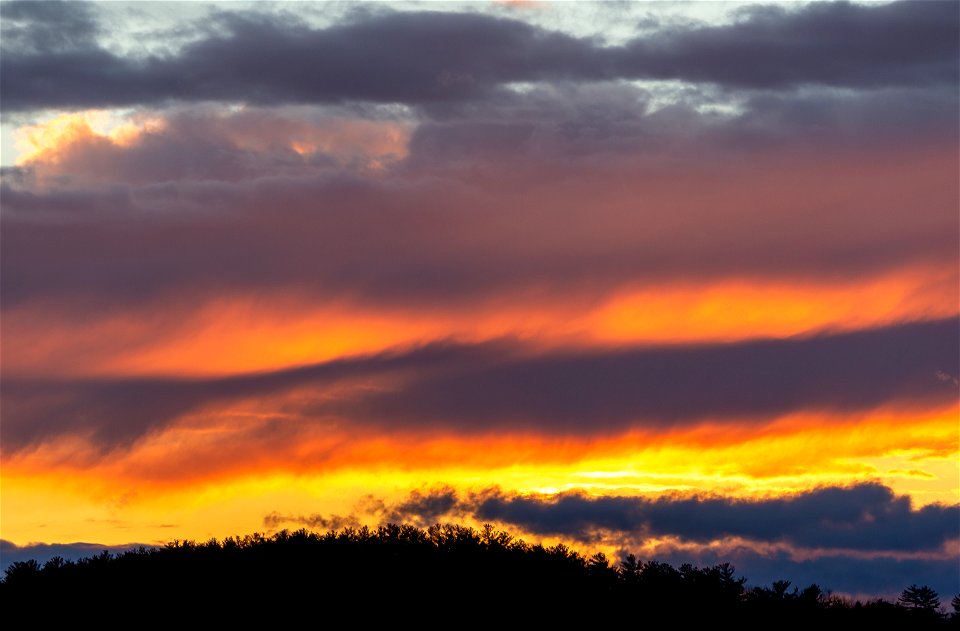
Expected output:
(920, 598)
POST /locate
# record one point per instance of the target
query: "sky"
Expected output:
(675, 279)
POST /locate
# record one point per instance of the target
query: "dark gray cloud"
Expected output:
(568, 125)
(433, 56)
(49, 27)
(835, 43)
(501, 386)
(865, 517)
(422, 508)
(404, 57)
(585, 392)
(315, 521)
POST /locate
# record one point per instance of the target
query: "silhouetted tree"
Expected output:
(811, 594)
(920, 598)
(22, 571)
(780, 589)
(630, 567)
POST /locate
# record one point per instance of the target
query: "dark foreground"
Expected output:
(439, 577)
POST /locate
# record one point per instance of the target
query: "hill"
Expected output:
(400, 574)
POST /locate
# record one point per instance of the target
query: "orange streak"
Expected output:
(237, 335)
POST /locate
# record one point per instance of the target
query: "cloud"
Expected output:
(295, 64)
(864, 517)
(503, 386)
(410, 57)
(423, 508)
(314, 521)
(500, 227)
(50, 27)
(585, 392)
(548, 130)
(836, 44)
(562, 188)
(202, 144)
(115, 412)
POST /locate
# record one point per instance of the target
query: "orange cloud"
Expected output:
(52, 140)
(231, 335)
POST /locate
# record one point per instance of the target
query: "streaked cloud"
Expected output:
(501, 386)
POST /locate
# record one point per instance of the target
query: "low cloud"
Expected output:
(862, 518)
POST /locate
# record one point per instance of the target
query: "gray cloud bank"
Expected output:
(866, 517)
(417, 58)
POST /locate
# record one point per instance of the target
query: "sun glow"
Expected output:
(229, 481)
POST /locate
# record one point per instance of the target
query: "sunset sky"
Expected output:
(675, 279)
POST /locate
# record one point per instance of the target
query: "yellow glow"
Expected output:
(225, 485)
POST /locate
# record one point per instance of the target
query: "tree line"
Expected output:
(442, 575)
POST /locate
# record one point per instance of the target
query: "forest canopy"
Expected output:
(441, 570)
